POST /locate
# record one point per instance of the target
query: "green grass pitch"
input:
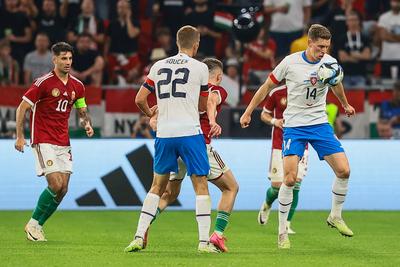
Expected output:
(97, 238)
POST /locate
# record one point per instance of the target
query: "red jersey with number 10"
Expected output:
(204, 122)
(51, 102)
(276, 105)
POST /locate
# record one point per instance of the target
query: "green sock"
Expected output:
(271, 195)
(155, 216)
(221, 222)
(45, 199)
(49, 211)
(296, 190)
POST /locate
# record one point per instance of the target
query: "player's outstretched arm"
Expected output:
(338, 90)
(262, 92)
(85, 121)
(20, 119)
(212, 102)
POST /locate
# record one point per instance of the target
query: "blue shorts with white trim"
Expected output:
(320, 136)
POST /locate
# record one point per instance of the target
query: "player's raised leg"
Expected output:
(229, 188)
(340, 166)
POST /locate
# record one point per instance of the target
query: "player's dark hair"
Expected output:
(317, 31)
(187, 36)
(59, 47)
(213, 64)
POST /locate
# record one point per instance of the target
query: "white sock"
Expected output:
(149, 210)
(33, 222)
(203, 217)
(285, 198)
(339, 191)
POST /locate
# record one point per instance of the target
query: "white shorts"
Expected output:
(52, 158)
(217, 166)
(276, 166)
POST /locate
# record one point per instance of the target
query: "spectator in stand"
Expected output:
(69, 9)
(122, 45)
(167, 9)
(164, 40)
(320, 10)
(15, 27)
(87, 22)
(336, 22)
(354, 51)
(389, 116)
(389, 31)
(230, 80)
(202, 17)
(9, 68)
(156, 55)
(50, 22)
(142, 129)
(88, 64)
(288, 18)
(29, 8)
(301, 43)
(374, 8)
(38, 62)
(259, 58)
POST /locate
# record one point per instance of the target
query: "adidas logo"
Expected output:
(119, 186)
(65, 94)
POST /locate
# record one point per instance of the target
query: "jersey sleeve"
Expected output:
(33, 95)
(80, 101)
(149, 82)
(280, 71)
(269, 105)
(204, 78)
(221, 93)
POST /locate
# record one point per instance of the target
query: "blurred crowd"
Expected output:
(117, 41)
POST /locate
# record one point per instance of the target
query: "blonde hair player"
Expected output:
(305, 121)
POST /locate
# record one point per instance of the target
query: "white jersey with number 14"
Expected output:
(306, 96)
(177, 81)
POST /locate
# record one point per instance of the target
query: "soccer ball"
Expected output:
(330, 73)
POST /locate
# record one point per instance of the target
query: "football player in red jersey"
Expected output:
(50, 99)
(220, 174)
(273, 114)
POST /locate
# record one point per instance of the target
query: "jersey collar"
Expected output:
(303, 55)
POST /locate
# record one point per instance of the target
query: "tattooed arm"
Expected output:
(85, 121)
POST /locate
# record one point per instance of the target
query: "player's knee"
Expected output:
(170, 196)
(56, 187)
(235, 188)
(343, 172)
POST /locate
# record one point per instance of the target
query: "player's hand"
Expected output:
(349, 110)
(153, 110)
(89, 130)
(19, 144)
(245, 120)
(215, 130)
(279, 123)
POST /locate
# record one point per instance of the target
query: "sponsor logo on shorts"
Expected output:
(55, 92)
(49, 163)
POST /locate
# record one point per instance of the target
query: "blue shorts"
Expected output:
(320, 136)
(192, 150)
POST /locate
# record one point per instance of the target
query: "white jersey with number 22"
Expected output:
(177, 81)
